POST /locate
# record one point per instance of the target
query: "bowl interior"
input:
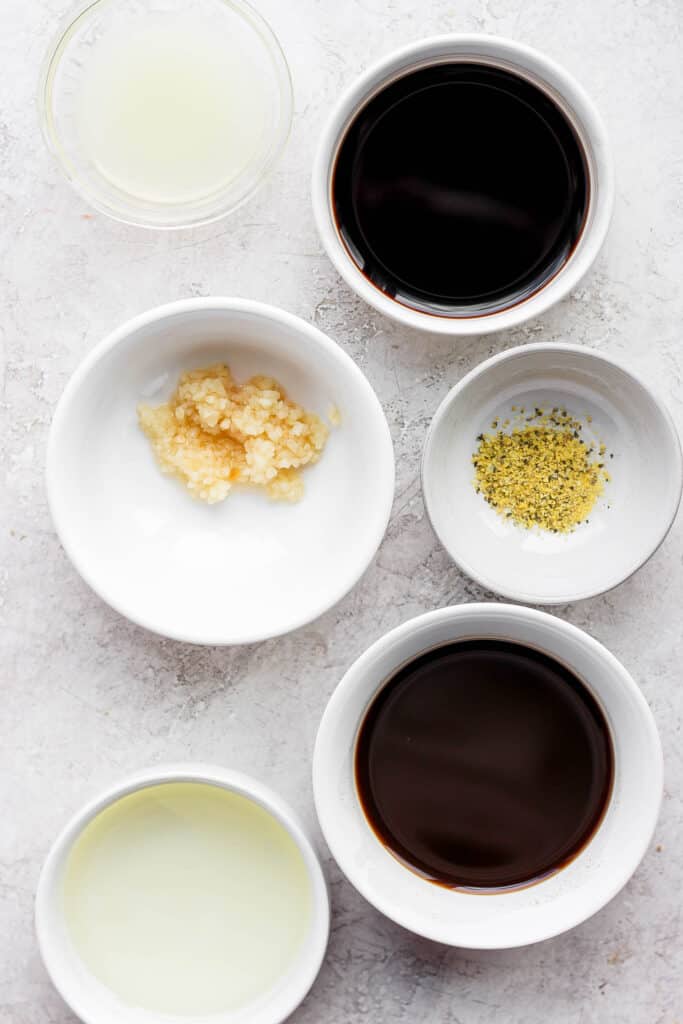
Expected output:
(93, 1001)
(629, 520)
(503, 919)
(84, 106)
(244, 569)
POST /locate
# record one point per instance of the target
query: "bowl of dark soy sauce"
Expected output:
(463, 185)
(487, 775)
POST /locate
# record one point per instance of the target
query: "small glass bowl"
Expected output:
(61, 89)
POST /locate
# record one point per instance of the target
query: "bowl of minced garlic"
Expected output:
(215, 434)
(536, 469)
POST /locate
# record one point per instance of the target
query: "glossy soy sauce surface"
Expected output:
(460, 189)
(484, 764)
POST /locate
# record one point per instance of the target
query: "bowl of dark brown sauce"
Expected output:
(487, 775)
(463, 184)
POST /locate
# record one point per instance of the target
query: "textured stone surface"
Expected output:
(88, 696)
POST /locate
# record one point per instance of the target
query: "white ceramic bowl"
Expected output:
(630, 519)
(536, 68)
(87, 997)
(247, 568)
(506, 919)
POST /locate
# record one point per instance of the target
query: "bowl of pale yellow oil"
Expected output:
(166, 113)
(184, 893)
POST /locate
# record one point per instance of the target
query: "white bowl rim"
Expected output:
(206, 774)
(245, 10)
(254, 308)
(552, 291)
(552, 347)
(619, 877)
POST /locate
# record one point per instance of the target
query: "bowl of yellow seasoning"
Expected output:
(551, 473)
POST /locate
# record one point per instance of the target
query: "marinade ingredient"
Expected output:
(214, 434)
(541, 472)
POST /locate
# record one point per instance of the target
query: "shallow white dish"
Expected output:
(95, 1004)
(512, 918)
(541, 71)
(247, 568)
(534, 566)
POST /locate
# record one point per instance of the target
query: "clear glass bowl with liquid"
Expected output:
(166, 113)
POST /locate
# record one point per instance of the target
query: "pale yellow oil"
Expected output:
(187, 899)
(172, 112)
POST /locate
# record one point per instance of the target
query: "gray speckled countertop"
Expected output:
(88, 697)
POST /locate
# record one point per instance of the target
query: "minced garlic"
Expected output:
(214, 434)
(541, 473)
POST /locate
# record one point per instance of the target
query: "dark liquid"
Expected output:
(484, 764)
(460, 189)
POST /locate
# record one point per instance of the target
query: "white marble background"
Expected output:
(87, 697)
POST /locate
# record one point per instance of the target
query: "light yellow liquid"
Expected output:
(187, 899)
(173, 110)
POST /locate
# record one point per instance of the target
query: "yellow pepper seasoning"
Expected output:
(542, 473)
